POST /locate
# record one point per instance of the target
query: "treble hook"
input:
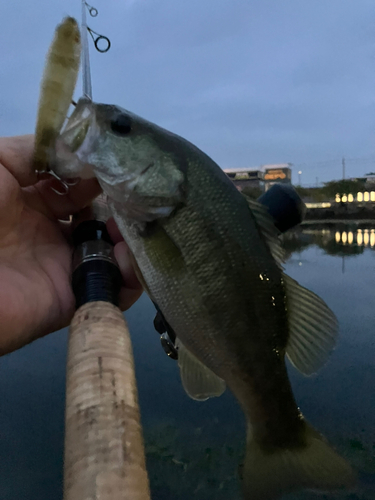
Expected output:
(43, 175)
(97, 39)
(65, 184)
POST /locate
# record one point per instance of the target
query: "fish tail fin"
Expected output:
(268, 475)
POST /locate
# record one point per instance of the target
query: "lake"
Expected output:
(195, 447)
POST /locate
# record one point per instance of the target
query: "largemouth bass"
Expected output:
(212, 262)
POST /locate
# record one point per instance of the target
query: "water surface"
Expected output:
(192, 447)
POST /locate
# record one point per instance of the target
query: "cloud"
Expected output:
(248, 82)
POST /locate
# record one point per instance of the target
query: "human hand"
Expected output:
(36, 297)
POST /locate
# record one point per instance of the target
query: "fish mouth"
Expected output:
(76, 141)
(75, 136)
(78, 125)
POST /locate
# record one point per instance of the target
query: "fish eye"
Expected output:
(121, 125)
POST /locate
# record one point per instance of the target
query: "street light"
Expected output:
(299, 177)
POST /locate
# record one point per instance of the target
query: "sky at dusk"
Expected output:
(249, 82)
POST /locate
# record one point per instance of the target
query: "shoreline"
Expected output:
(335, 224)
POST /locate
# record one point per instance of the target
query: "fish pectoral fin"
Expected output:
(199, 382)
(268, 229)
(313, 328)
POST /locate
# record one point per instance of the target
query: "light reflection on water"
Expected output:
(360, 237)
(194, 448)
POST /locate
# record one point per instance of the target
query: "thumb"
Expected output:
(16, 154)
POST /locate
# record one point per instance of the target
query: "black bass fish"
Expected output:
(211, 260)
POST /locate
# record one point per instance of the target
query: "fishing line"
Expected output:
(96, 275)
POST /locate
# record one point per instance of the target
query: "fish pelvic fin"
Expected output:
(313, 328)
(199, 382)
(268, 475)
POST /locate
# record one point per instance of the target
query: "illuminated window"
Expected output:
(344, 237)
(359, 238)
(359, 196)
(350, 238)
(372, 196)
(318, 205)
(372, 238)
(337, 237)
(344, 198)
(366, 196)
(366, 238)
(337, 199)
(351, 198)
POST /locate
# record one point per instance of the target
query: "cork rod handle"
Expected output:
(104, 452)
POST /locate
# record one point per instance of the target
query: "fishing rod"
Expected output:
(104, 453)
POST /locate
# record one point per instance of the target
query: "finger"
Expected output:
(16, 154)
(78, 196)
(114, 231)
(127, 271)
(132, 290)
(128, 297)
(9, 194)
(66, 227)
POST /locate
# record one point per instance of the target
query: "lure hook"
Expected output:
(43, 174)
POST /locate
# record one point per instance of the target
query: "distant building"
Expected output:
(246, 177)
(261, 178)
(277, 173)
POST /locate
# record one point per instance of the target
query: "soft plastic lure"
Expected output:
(57, 88)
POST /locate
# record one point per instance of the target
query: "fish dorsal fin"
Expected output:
(199, 382)
(313, 328)
(267, 228)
